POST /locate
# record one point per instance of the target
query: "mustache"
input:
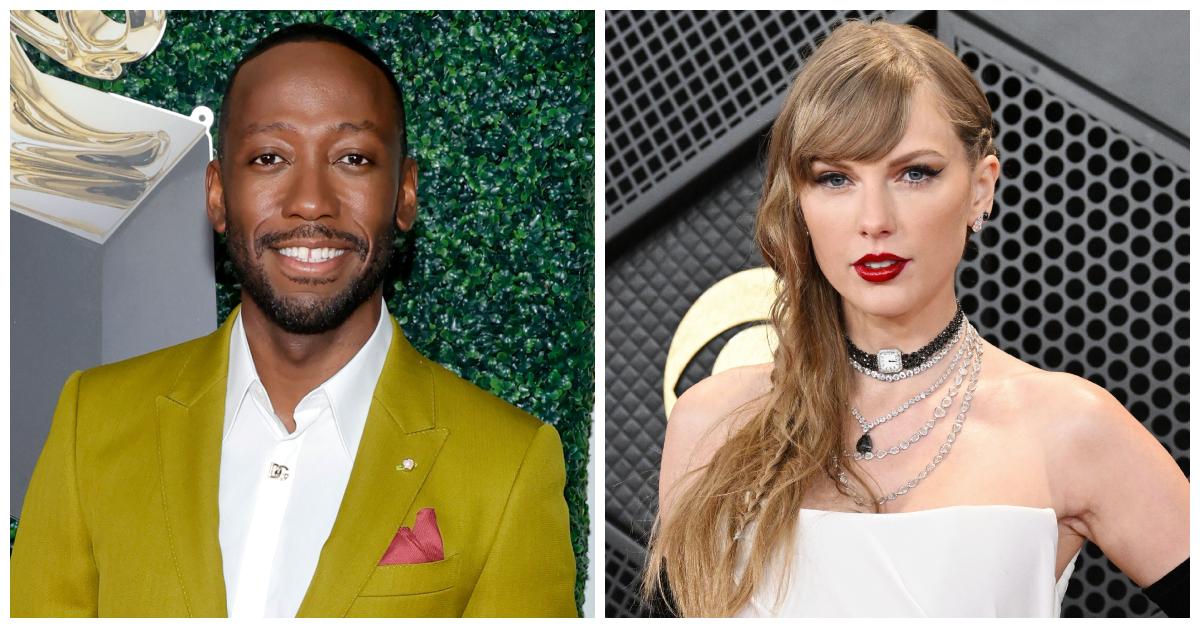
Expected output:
(311, 230)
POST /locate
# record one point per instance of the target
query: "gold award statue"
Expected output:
(739, 299)
(81, 159)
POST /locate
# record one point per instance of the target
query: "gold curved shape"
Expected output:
(743, 297)
(753, 345)
(90, 43)
(52, 150)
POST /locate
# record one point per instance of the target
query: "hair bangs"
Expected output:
(860, 118)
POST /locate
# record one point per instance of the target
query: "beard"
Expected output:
(308, 315)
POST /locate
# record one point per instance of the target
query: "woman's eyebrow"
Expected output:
(911, 155)
(900, 159)
(836, 163)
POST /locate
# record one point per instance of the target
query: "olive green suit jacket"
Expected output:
(121, 516)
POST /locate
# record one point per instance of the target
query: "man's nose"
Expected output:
(311, 195)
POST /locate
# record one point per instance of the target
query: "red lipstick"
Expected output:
(881, 274)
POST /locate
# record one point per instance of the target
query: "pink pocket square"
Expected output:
(420, 544)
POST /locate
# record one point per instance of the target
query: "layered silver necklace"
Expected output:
(865, 445)
(974, 345)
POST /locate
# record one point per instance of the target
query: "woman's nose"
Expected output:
(876, 213)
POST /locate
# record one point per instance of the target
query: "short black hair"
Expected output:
(319, 33)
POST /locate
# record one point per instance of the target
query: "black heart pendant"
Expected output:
(864, 444)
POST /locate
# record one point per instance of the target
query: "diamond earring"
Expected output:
(978, 223)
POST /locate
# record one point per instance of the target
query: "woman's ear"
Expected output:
(983, 186)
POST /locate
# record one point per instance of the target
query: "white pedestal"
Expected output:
(77, 303)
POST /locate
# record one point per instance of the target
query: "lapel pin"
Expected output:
(278, 472)
(406, 465)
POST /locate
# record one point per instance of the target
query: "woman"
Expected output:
(823, 484)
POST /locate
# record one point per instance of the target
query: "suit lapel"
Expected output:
(190, 420)
(401, 424)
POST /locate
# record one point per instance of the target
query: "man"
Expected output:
(303, 459)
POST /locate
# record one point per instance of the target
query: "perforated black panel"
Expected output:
(1084, 269)
(678, 81)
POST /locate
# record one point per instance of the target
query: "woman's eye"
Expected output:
(919, 174)
(833, 179)
(355, 159)
(267, 159)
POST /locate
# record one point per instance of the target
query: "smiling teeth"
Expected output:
(305, 254)
(879, 264)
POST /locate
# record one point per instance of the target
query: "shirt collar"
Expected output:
(349, 390)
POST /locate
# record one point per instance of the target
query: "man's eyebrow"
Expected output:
(255, 127)
(342, 127)
(355, 127)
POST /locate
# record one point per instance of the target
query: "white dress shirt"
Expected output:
(280, 492)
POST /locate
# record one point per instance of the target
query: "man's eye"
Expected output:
(267, 159)
(354, 159)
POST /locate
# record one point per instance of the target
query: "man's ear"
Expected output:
(984, 186)
(214, 196)
(406, 200)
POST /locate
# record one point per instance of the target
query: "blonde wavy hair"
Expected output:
(849, 103)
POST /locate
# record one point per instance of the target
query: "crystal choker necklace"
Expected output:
(892, 365)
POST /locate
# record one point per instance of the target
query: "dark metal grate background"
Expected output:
(647, 292)
(1083, 269)
(678, 81)
(623, 559)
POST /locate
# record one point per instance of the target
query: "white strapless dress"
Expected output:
(958, 561)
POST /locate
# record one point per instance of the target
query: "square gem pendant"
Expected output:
(888, 361)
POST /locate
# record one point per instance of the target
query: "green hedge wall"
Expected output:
(497, 279)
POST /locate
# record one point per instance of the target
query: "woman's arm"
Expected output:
(697, 427)
(1118, 481)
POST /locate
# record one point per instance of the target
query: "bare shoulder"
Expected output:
(1069, 412)
(1056, 405)
(1085, 426)
(1093, 446)
(704, 417)
(1110, 477)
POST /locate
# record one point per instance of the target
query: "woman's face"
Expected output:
(888, 234)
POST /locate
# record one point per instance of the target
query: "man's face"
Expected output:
(312, 184)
